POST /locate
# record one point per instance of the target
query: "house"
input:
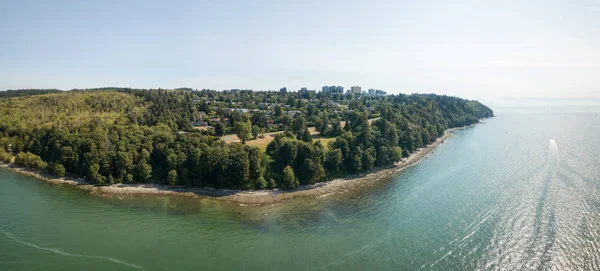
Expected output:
(292, 113)
(278, 125)
(239, 110)
(201, 123)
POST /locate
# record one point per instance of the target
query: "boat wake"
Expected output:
(553, 148)
(63, 253)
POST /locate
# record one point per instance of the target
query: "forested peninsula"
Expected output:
(236, 139)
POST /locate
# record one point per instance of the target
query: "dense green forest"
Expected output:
(26, 92)
(173, 137)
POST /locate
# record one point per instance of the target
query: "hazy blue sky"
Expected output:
(474, 49)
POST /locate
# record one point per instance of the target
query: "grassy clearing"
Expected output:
(324, 140)
(262, 143)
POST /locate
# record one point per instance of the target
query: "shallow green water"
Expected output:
(500, 195)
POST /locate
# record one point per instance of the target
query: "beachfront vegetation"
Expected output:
(114, 136)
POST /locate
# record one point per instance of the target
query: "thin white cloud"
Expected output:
(529, 64)
(594, 9)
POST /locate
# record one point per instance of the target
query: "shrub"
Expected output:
(5, 157)
(30, 160)
(57, 169)
(172, 177)
(261, 183)
(272, 184)
(128, 178)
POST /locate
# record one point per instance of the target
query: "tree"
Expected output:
(286, 154)
(255, 131)
(93, 174)
(311, 110)
(425, 136)
(333, 159)
(336, 128)
(289, 179)
(219, 129)
(257, 163)
(323, 126)
(382, 157)
(287, 121)
(356, 160)
(124, 164)
(237, 174)
(298, 125)
(396, 154)
(278, 111)
(243, 130)
(314, 172)
(69, 158)
(306, 137)
(172, 177)
(368, 158)
(143, 171)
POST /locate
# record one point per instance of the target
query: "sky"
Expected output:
(484, 50)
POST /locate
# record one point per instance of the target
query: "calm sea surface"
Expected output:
(519, 192)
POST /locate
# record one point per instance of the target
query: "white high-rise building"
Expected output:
(355, 90)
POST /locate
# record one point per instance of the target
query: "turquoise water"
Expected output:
(519, 192)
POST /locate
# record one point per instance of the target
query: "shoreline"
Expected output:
(243, 197)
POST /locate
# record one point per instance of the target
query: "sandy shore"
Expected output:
(242, 197)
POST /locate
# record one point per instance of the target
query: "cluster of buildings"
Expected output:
(376, 92)
(352, 90)
(205, 120)
(333, 89)
(307, 90)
